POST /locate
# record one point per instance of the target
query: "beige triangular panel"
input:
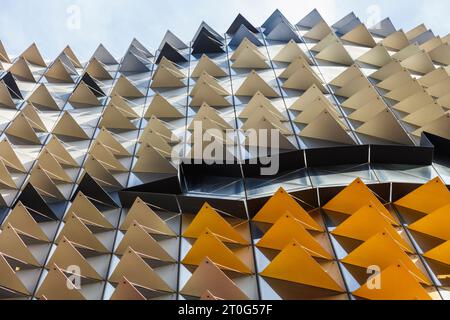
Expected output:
(361, 98)
(396, 80)
(99, 172)
(6, 179)
(319, 31)
(385, 126)
(250, 58)
(160, 128)
(5, 97)
(167, 76)
(206, 115)
(42, 97)
(9, 278)
(84, 209)
(331, 49)
(126, 291)
(9, 157)
(73, 58)
(58, 72)
(60, 153)
(21, 128)
(208, 90)
(21, 70)
(353, 86)
(405, 90)
(125, 88)
(133, 267)
(313, 110)
(107, 139)
(11, 244)
(434, 77)
(259, 103)
(124, 106)
(209, 277)
(425, 115)
(173, 67)
(3, 54)
(67, 255)
(414, 102)
(294, 66)
(247, 44)
(417, 31)
(53, 168)
(439, 127)
(396, 41)
(34, 118)
(55, 287)
(290, 52)
(378, 56)
(257, 121)
(113, 118)
(75, 230)
(21, 219)
(41, 180)
(440, 89)
(441, 54)
(84, 95)
(146, 217)
(97, 70)
(33, 56)
(161, 108)
(347, 76)
(368, 111)
(106, 157)
(67, 126)
(254, 83)
(151, 161)
(303, 79)
(307, 98)
(387, 70)
(326, 126)
(360, 35)
(138, 238)
(206, 64)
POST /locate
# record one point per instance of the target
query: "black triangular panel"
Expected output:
(206, 42)
(171, 53)
(93, 86)
(11, 85)
(91, 189)
(238, 22)
(38, 208)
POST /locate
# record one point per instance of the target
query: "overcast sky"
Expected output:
(83, 24)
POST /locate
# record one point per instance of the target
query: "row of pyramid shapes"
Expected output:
(362, 206)
(276, 27)
(370, 110)
(295, 234)
(431, 218)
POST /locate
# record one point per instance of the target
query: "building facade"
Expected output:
(306, 161)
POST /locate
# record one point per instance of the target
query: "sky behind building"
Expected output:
(52, 24)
